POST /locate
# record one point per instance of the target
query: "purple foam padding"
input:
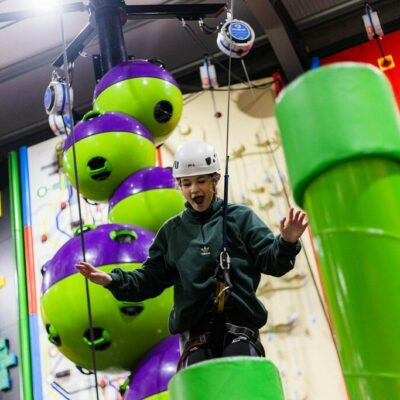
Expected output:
(133, 69)
(155, 370)
(100, 250)
(107, 122)
(142, 180)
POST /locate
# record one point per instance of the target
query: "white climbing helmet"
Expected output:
(195, 158)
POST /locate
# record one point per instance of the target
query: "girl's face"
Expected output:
(198, 191)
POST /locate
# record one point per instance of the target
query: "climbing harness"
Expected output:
(213, 339)
(224, 284)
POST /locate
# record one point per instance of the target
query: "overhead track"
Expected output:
(110, 16)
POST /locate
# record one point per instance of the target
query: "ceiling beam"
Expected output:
(282, 34)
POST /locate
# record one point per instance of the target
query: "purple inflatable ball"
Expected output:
(155, 370)
(146, 198)
(144, 90)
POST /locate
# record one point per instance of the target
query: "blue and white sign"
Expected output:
(239, 31)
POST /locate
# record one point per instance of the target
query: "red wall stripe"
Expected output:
(30, 270)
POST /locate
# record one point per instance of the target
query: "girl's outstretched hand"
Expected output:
(93, 274)
(293, 226)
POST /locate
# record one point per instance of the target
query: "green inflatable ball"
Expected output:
(123, 331)
(145, 91)
(109, 147)
(147, 198)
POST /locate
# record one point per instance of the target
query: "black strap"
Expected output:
(252, 336)
(213, 338)
(224, 257)
(191, 345)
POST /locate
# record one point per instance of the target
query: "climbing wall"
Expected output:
(297, 337)
(9, 376)
(54, 214)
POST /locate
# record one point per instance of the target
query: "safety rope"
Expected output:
(224, 284)
(72, 133)
(289, 205)
(377, 38)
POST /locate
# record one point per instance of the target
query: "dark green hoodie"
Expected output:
(184, 254)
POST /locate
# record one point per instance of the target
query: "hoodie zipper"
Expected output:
(202, 233)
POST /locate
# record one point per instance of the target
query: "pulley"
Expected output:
(56, 98)
(60, 124)
(235, 38)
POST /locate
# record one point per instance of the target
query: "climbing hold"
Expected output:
(7, 360)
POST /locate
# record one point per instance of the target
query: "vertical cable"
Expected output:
(226, 176)
(377, 38)
(288, 202)
(72, 133)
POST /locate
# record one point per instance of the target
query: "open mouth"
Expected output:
(199, 200)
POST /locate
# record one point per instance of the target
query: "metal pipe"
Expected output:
(30, 273)
(109, 29)
(18, 245)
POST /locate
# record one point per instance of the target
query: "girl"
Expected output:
(216, 311)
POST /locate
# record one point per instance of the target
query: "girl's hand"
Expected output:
(93, 274)
(293, 227)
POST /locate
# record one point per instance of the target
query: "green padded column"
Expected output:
(341, 136)
(26, 388)
(230, 378)
(354, 210)
(336, 113)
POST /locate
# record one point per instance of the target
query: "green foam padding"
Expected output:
(229, 378)
(354, 216)
(336, 113)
